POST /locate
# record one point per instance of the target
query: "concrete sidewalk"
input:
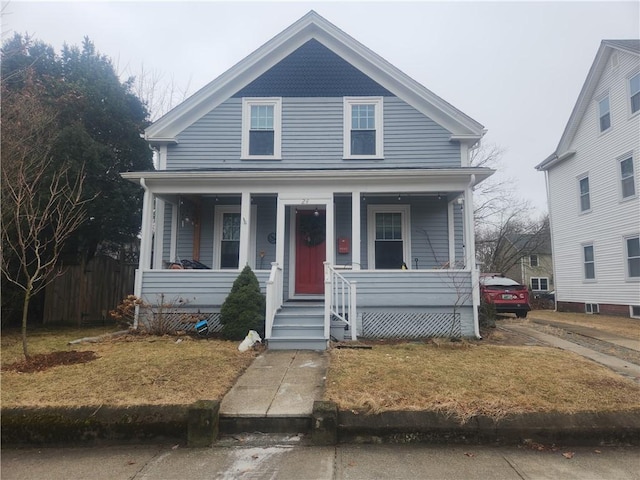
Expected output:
(631, 343)
(616, 364)
(279, 383)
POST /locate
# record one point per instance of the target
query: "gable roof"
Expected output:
(595, 72)
(313, 26)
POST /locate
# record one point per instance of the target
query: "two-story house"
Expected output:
(342, 182)
(593, 179)
(533, 265)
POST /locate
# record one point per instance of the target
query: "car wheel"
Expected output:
(521, 314)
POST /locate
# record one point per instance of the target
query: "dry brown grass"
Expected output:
(466, 379)
(132, 370)
(626, 327)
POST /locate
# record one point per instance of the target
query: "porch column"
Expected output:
(147, 227)
(451, 221)
(330, 233)
(355, 230)
(158, 239)
(245, 229)
(280, 232)
(470, 252)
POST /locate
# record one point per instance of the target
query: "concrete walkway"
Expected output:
(614, 363)
(279, 383)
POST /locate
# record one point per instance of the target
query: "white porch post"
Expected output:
(280, 232)
(355, 230)
(147, 228)
(470, 251)
(451, 219)
(245, 230)
(330, 233)
(158, 240)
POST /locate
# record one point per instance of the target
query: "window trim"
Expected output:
(537, 262)
(538, 279)
(625, 249)
(247, 103)
(580, 178)
(619, 160)
(348, 102)
(633, 75)
(218, 212)
(584, 263)
(405, 211)
(599, 114)
(631, 313)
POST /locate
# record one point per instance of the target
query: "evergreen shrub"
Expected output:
(244, 307)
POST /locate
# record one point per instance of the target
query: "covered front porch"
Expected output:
(384, 253)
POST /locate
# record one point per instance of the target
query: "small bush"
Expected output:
(244, 308)
(487, 315)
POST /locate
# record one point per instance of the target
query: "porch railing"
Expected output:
(274, 297)
(339, 300)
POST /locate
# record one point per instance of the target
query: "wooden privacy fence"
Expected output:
(85, 293)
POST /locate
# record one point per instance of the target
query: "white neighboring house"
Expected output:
(593, 178)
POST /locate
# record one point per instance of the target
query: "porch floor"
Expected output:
(277, 385)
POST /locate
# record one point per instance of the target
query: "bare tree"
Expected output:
(42, 205)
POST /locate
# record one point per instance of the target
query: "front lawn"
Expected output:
(130, 370)
(466, 379)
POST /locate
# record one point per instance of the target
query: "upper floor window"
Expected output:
(533, 260)
(585, 198)
(627, 179)
(633, 257)
(363, 133)
(261, 128)
(604, 114)
(589, 262)
(634, 92)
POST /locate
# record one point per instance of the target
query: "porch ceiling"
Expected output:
(278, 181)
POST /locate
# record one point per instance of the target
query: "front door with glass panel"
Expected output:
(230, 242)
(310, 251)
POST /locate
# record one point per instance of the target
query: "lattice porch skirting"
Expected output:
(410, 325)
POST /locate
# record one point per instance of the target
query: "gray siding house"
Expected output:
(342, 182)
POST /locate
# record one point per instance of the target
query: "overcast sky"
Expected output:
(515, 67)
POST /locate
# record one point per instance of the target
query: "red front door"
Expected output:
(310, 251)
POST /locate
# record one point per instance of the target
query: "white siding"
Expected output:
(610, 218)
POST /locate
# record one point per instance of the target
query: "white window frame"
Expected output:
(537, 262)
(539, 289)
(405, 211)
(631, 312)
(625, 249)
(219, 211)
(621, 159)
(584, 263)
(247, 103)
(630, 93)
(599, 115)
(591, 308)
(580, 178)
(378, 102)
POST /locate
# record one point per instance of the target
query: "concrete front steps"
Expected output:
(299, 326)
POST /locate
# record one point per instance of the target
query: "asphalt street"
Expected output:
(301, 462)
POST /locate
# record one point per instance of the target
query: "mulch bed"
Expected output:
(44, 361)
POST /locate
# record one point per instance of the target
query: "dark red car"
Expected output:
(508, 296)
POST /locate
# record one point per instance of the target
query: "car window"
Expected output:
(498, 282)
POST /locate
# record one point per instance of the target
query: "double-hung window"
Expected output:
(627, 179)
(589, 262)
(634, 93)
(261, 128)
(363, 132)
(533, 260)
(604, 114)
(388, 236)
(585, 198)
(633, 257)
(539, 284)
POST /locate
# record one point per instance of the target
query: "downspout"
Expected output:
(471, 259)
(553, 260)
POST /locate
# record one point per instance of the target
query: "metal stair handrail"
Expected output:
(339, 300)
